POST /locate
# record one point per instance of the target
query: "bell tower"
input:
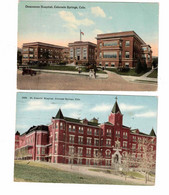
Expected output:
(115, 117)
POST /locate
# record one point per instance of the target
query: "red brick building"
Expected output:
(82, 52)
(122, 49)
(70, 140)
(38, 52)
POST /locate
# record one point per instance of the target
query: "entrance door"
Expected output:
(116, 158)
(78, 57)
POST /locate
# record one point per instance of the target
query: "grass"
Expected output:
(154, 74)
(39, 172)
(129, 174)
(131, 72)
(64, 68)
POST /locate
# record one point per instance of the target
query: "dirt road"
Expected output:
(55, 81)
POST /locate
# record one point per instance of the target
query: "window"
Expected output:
(100, 44)
(96, 132)
(108, 162)
(80, 129)
(113, 64)
(71, 150)
(124, 144)
(110, 54)
(88, 151)
(127, 54)
(127, 43)
(38, 150)
(74, 128)
(25, 55)
(144, 48)
(88, 162)
(89, 141)
(84, 53)
(25, 49)
(71, 139)
(61, 125)
(106, 63)
(56, 136)
(56, 125)
(100, 55)
(56, 148)
(31, 55)
(126, 64)
(70, 128)
(100, 63)
(80, 151)
(80, 140)
(134, 138)
(117, 133)
(125, 135)
(96, 142)
(111, 43)
(108, 153)
(108, 132)
(108, 142)
(89, 131)
(133, 146)
(95, 152)
(30, 49)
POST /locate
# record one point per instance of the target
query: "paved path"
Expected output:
(57, 81)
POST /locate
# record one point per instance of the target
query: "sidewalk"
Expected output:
(98, 75)
(142, 78)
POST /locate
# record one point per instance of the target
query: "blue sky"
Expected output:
(38, 108)
(62, 25)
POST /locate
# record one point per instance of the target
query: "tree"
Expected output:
(19, 57)
(147, 162)
(155, 62)
(138, 67)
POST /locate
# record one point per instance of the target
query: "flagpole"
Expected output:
(80, 35)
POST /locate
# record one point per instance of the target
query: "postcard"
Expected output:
(107, 46)
(87, 139)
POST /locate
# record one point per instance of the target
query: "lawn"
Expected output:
(154, 74)
(39, 172)
(131, 72)
(64, 68)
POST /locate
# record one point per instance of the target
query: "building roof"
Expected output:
(116, 108)
(36, 128)
(42, 44)
(17, 133)
(152, 133)
(119, 35)
(80, 43)
(59, 115)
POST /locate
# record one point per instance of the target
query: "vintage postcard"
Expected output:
(89, 139)
(87, 46)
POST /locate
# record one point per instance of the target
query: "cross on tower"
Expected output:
(116, 98)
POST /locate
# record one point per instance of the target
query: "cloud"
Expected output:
(101, 108)
(81, 14)
(97, 31)
(71, 106)
(149, 114)
(110, 17)
(72, 21)
(40, 105)
(98, 12)
(75, 115)
(128, 107)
